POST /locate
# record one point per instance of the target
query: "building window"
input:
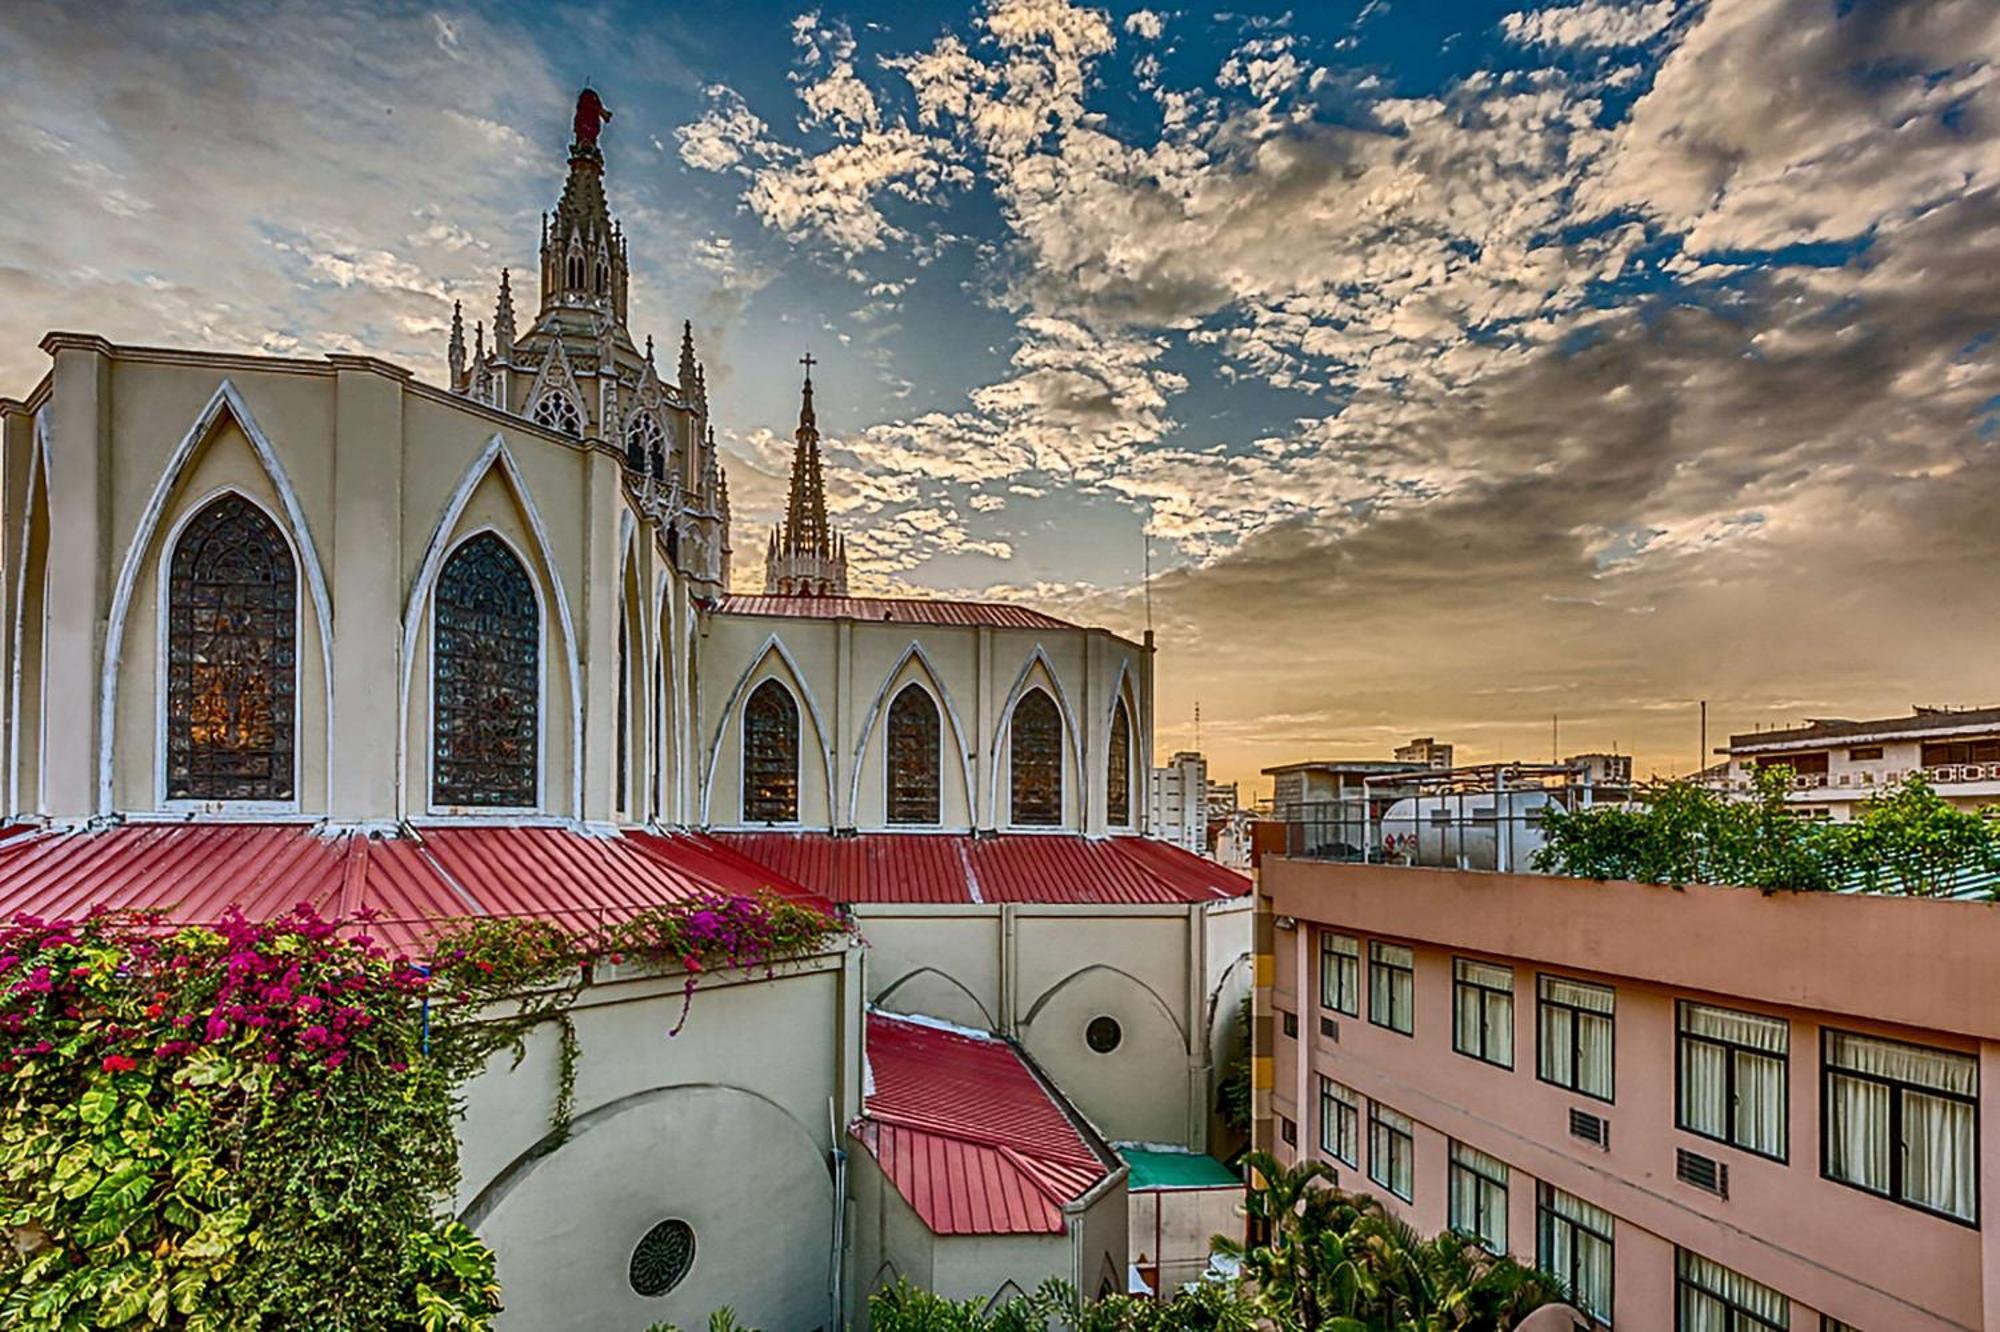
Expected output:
(1291, 1025)
(1035, 761)
(1708, 1297)
(1479, 1197)
(556, 411)
(1118, 769)
(1392, 986)
(1574, 1246)
(1103, 1034)
(644, 445)
(1339, 1122)
(771, 755)
(1576, 1035)
(915, 736)
(1733, 1073)
(1902, 1121)
(1864, 753)
(662, 1258)
(232, 657)
(487, 680)
(1340, 973)
(1391, 1150)
(1288, 1131)
(1482, 1001)
(624, 710)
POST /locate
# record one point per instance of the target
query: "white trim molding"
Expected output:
(880, 704)
(772, 644)
(1003, 732)
(225, 399)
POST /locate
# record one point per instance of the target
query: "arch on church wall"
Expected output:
(1124, 791)
(1112, 1071)
(224, 452)
(26, 730)
(492, 496)
(869, 783)
(722, 789)
(610, 1185)
(930, 992)
(633, 705)
(1038, 674)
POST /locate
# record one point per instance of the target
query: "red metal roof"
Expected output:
(968, 1134)
(894, 610)
(196, 872)
(1011, 867)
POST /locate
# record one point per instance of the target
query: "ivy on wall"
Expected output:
(252, 1124)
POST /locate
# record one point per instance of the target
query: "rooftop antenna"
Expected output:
(1197, 726)
(1555, 737)
(1701, 759)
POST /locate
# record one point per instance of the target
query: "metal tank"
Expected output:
(1484, 830)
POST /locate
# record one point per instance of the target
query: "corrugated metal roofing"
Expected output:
(196, 872)
(894, 610)
(1011, 867)
(967, 1133)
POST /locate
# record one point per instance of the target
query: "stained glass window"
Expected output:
(558, 412)
(1118, 769)
(644, 441)
(232, 648)
(487, 679)
(1035, 753)
(771, 755)
(914, 732)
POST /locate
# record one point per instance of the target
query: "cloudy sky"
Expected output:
(1460, 364)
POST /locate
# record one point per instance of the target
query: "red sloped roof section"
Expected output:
(895, 610)
(1022, 867)
(968, 1134)
(196, 873)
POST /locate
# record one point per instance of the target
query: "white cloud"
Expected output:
(1595, 23)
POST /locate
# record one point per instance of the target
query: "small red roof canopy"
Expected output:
(968, 1134)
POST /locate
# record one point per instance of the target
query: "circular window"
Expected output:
(1103, 1034)
(663, 1257)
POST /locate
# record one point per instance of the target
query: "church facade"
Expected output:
(285, 629)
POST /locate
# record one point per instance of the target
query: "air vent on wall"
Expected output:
(1589, 1127)
(1704, 1172)
(1329, 1028)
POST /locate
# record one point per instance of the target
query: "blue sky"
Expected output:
(1459, 363)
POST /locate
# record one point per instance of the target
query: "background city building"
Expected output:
(1836, 765)
(1178, 802)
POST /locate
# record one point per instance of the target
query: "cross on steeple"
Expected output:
(808, 362)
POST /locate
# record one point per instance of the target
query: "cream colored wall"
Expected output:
(889, 1240)
(725, 1125)
(1041, 973)
(374, 476)
(852, 669)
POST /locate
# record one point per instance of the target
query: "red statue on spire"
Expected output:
(591, 113)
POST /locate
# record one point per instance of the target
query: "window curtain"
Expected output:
(1479, 1196)
(1499, 1028)
(1339, 1121)
(1709, 1288)
(1593, 1063)
(1705, 1088)
(1579, 1256)
(1939, 1160)
(1759, 1119)
(1558, 1035)
(1339, 968)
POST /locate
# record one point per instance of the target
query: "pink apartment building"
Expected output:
(1707, 1108)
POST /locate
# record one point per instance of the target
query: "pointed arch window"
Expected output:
(232, 657)
(771, 755)
(915, 732)
(643, 444)
(1118, 769)
(1035, 761)
(575, 270)
(557, 411)
(486, 680)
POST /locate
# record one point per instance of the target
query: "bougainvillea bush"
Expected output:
(252, 1124)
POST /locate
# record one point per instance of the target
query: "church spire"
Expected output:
(583, 254)
(455, 350)
(503, 319)
(806, 559)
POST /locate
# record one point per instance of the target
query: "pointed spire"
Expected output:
(455, 349)
(686, 371)
(649, 349)
(503, 319)
(809, 559)
(806, 419)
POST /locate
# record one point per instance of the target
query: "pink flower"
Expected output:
(119, 1063)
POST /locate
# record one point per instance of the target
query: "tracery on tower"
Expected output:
(806, 558)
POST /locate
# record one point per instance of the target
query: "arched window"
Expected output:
(1118, 769)
(232, 651)
(1035, 755)
(913, 754)
(771, 755)
(575, 274)
(603, 276)
(486, 680)
(643, 438)
(557, 411)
